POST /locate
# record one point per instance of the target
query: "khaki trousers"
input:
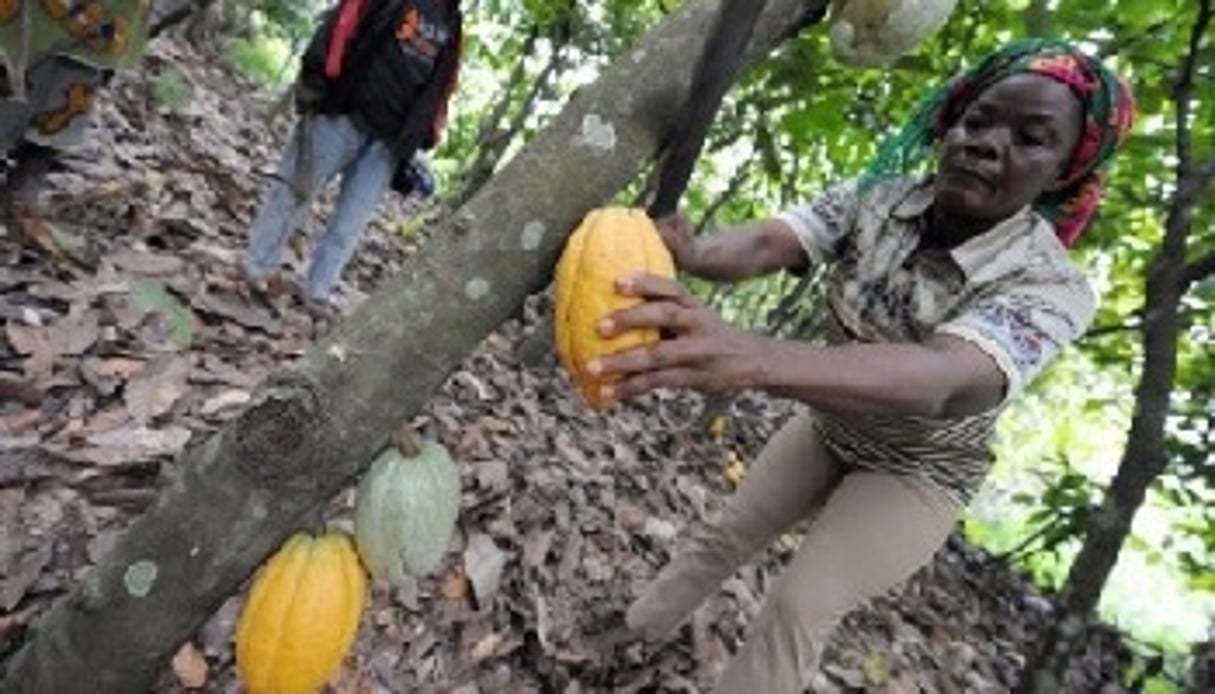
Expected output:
(870, 531)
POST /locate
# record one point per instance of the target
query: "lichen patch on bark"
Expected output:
(140, 578)
(477, 288)
(533, 234)
(597, 133)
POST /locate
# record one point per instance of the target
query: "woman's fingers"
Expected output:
(666, 306)
(699, 351)
(677, 233)
(656, 356)
(650, 315)
(646, 286)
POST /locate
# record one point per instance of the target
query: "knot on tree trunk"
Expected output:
(279, 436)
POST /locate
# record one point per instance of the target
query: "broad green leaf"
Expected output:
(152, 296)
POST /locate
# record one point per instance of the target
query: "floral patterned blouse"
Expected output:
(1011, 291)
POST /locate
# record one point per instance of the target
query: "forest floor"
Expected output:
(126, 327)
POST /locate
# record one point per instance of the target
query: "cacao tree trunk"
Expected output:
(312, 427)
(1144, 457)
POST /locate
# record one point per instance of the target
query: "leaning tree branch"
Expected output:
(314, 426)
(177, 16)
(1183, 89)
(1133, 322)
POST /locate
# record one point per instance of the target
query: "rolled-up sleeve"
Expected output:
(824, 221)
(1023, 327)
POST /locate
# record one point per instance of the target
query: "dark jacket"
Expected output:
(396, 65)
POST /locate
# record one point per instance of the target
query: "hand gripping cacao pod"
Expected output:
(301, 616)
(406, 509)
(611, 242)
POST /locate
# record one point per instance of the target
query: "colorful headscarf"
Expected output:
(1108, 112)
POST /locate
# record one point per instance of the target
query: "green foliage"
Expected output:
(264, 60)
(1063, 510)
(273, 33)
(291, 20)
(152, 296)
(1153, 671)
(171, 90)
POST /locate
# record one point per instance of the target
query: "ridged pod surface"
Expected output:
(609, 243)
(301, 615)
(405, 511)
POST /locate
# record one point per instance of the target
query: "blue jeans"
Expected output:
(335, 146)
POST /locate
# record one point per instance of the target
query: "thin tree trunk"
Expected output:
(311, 429)
(1202, 670)
(1144, 458)
(166, 15)
(495, 132)
(1038, 18)
(494, 150)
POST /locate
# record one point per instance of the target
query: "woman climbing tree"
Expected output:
(948, 293)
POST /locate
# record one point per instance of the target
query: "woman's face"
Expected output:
(1009, 145)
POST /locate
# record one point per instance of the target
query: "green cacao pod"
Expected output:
(405, 511)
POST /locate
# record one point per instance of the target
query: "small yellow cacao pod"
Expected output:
(301, 615)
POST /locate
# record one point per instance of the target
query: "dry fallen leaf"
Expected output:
(143, 262)
(190, 667)
(486, 647)
(126, 446)
(21, 574)
(456, 585)
(483, 562)
(34, 342)
(26, 339)
(56, 239)
(153, 391)
(228, 399)
(76, 332)
(734, 469)
(107, 374)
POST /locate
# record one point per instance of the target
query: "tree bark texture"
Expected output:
(1144, 458)
(312, 428)
(1202, 669)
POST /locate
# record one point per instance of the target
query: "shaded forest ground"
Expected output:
(565, 514)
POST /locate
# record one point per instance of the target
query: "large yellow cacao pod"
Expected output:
(301, 616)
(405, 511)
(610, 242)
